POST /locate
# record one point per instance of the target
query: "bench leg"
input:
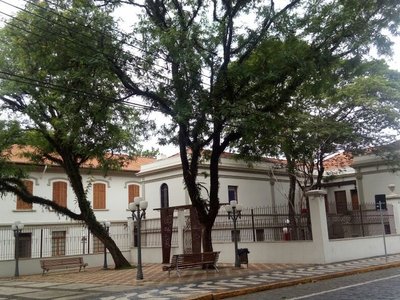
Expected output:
(216, 269)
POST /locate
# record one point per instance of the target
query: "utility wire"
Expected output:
(97, 31)
(123, 34)
(5, 75)
(35, 82)
(40, 36)
(153, 72)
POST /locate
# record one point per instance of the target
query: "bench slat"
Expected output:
(184, 261)
(62, 263)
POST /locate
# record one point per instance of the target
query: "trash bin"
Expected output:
(243, 256)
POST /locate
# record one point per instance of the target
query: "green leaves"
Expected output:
(56, 72)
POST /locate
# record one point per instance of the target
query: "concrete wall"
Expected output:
(363, 247)
(298, 252)
(32, 265)
(320, 250)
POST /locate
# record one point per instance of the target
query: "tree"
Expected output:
(359, 111)
(196, 63)
(58, 85)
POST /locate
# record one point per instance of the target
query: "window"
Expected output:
(99, 196)
(232, 193)
(354, 200)
(260, 235)
(98, 246)
(60, 193)
(24, 245)
(387, 228)
(58, 243)
(133, 191)
(21, 205)
(164, 195)
(341, 202)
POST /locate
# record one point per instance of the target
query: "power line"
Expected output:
(5, 75)
(97, 31)
(72, 41)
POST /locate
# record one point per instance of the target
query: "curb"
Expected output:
(287, 283)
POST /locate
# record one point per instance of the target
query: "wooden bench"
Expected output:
(185, 261)
(62, 263)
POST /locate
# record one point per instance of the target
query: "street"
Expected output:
(382, 285)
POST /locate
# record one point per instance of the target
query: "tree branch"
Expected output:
(16, 186)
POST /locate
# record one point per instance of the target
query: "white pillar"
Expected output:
(319, 225)
(181, 226)
(394, 200)
(133, 252)
(130, 232)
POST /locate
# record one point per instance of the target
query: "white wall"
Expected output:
(32, 265)
(299, 252)
(254, 183)
(377, 182)
(116, 198)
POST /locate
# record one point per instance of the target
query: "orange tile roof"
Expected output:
(340, 160)
(16, 155)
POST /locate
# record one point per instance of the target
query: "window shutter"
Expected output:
(21, 205)
(60, 193)
(133, 191)
(99, 196)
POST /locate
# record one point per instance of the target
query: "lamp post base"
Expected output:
(139, 275)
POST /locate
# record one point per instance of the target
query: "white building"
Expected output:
(160, 182)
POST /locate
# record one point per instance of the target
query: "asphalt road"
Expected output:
(377, 285)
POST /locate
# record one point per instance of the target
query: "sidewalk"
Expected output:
(95, 283)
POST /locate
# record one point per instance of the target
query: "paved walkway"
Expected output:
(95, 283)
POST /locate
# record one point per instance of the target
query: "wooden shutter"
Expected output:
(99, 196)
(354, 200)
(60, 193)
(21, 205)
(133, 191)
(341, 202)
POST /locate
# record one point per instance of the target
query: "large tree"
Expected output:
(194, 67)
(56, 82)
(359, 109)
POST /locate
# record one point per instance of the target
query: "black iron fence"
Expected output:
(361, 220)
(264, 224)
(36, 241)
(259, 224)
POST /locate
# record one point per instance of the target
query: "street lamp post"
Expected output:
(234, 212)
(17, 228)
(106, 225)
(138, 208)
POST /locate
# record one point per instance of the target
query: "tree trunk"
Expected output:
(207, 240)
(72, 170)
(119, 259)
(292, 226)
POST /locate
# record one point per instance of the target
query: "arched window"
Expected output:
(164, 195)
